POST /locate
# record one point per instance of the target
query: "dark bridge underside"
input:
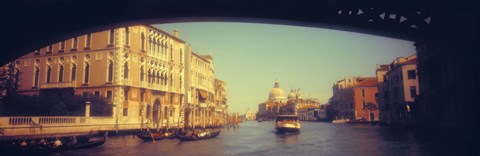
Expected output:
(28, 25)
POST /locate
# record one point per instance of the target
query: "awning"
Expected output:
(203, 94)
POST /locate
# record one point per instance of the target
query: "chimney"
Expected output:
(176, 33)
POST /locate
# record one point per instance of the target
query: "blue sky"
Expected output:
(249, 57)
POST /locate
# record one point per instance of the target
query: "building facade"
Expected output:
(400, 88)
(354, 99)
(141, 70)
(271, 108)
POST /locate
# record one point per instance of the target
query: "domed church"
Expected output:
(277, 94)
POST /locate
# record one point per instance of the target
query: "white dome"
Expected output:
(277, 93)
(292, 95)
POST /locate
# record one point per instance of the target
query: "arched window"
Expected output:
(87, 73)
(74, 71)
(125, 70)
(35, 79)
(49, 74)
(149, 76)
(154, 47)
(110, 71)
(60, 74)
(158, 77)
(142, 74)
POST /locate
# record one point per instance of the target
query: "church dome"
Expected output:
(277, 93)
(292, 95)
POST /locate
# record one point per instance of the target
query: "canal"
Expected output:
(316, 138)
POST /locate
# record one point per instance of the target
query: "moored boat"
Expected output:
(49, 145)
(159, 135)
(194, 136)
(287, 124)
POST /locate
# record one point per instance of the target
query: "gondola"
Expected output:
(47, 148)
(156, 135)
(195, 137)
(149, 136)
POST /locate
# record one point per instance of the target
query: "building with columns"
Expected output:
(148, 75)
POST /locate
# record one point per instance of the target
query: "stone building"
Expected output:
(399, 87)
(141, 69)
(354, 99)
(270, 108)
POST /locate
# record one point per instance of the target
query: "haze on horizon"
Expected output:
(250, 57)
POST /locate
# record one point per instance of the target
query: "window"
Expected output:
(110, 72)
(142, 96)
(35, 78)
(87, 73)
(363, 92)
(110, 95)
(49, 74)
(60, 74)
(125, 94)
(411, 74)
(88, 40)
(97, 93)
(364, 104)
(111, 37)
(143, 41)
(85, 94)
(74, 43)
(142, 73)
(125, 111)
(49, 49)
(181, 56)
(413, 91)
(127, 36)
(62, 46)
(74, 71)
(125, 70)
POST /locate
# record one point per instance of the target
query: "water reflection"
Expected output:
(253, 138)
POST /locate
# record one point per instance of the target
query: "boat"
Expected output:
(287, 124)
(191, 136)
(151, 136)
(48, 147)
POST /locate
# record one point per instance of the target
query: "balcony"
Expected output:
(127, 82)
(143, 84)
(70, 84)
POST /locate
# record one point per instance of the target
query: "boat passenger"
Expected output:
(57, 143)
(73, 141)
(23, 143)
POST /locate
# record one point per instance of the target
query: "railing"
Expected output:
(143, 84)
(127, 82)
(70, 84)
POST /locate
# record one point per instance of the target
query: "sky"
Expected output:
(250, 57)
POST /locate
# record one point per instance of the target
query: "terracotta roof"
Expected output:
(368, 82)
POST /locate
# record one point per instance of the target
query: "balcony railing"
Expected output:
(143, 84)
(127, 82)
(70, 84)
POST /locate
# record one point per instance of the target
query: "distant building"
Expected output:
(250, 115)
(270, 108)
(399, 89)
(354, 99)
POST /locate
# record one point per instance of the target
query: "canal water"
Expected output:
(316, 138)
